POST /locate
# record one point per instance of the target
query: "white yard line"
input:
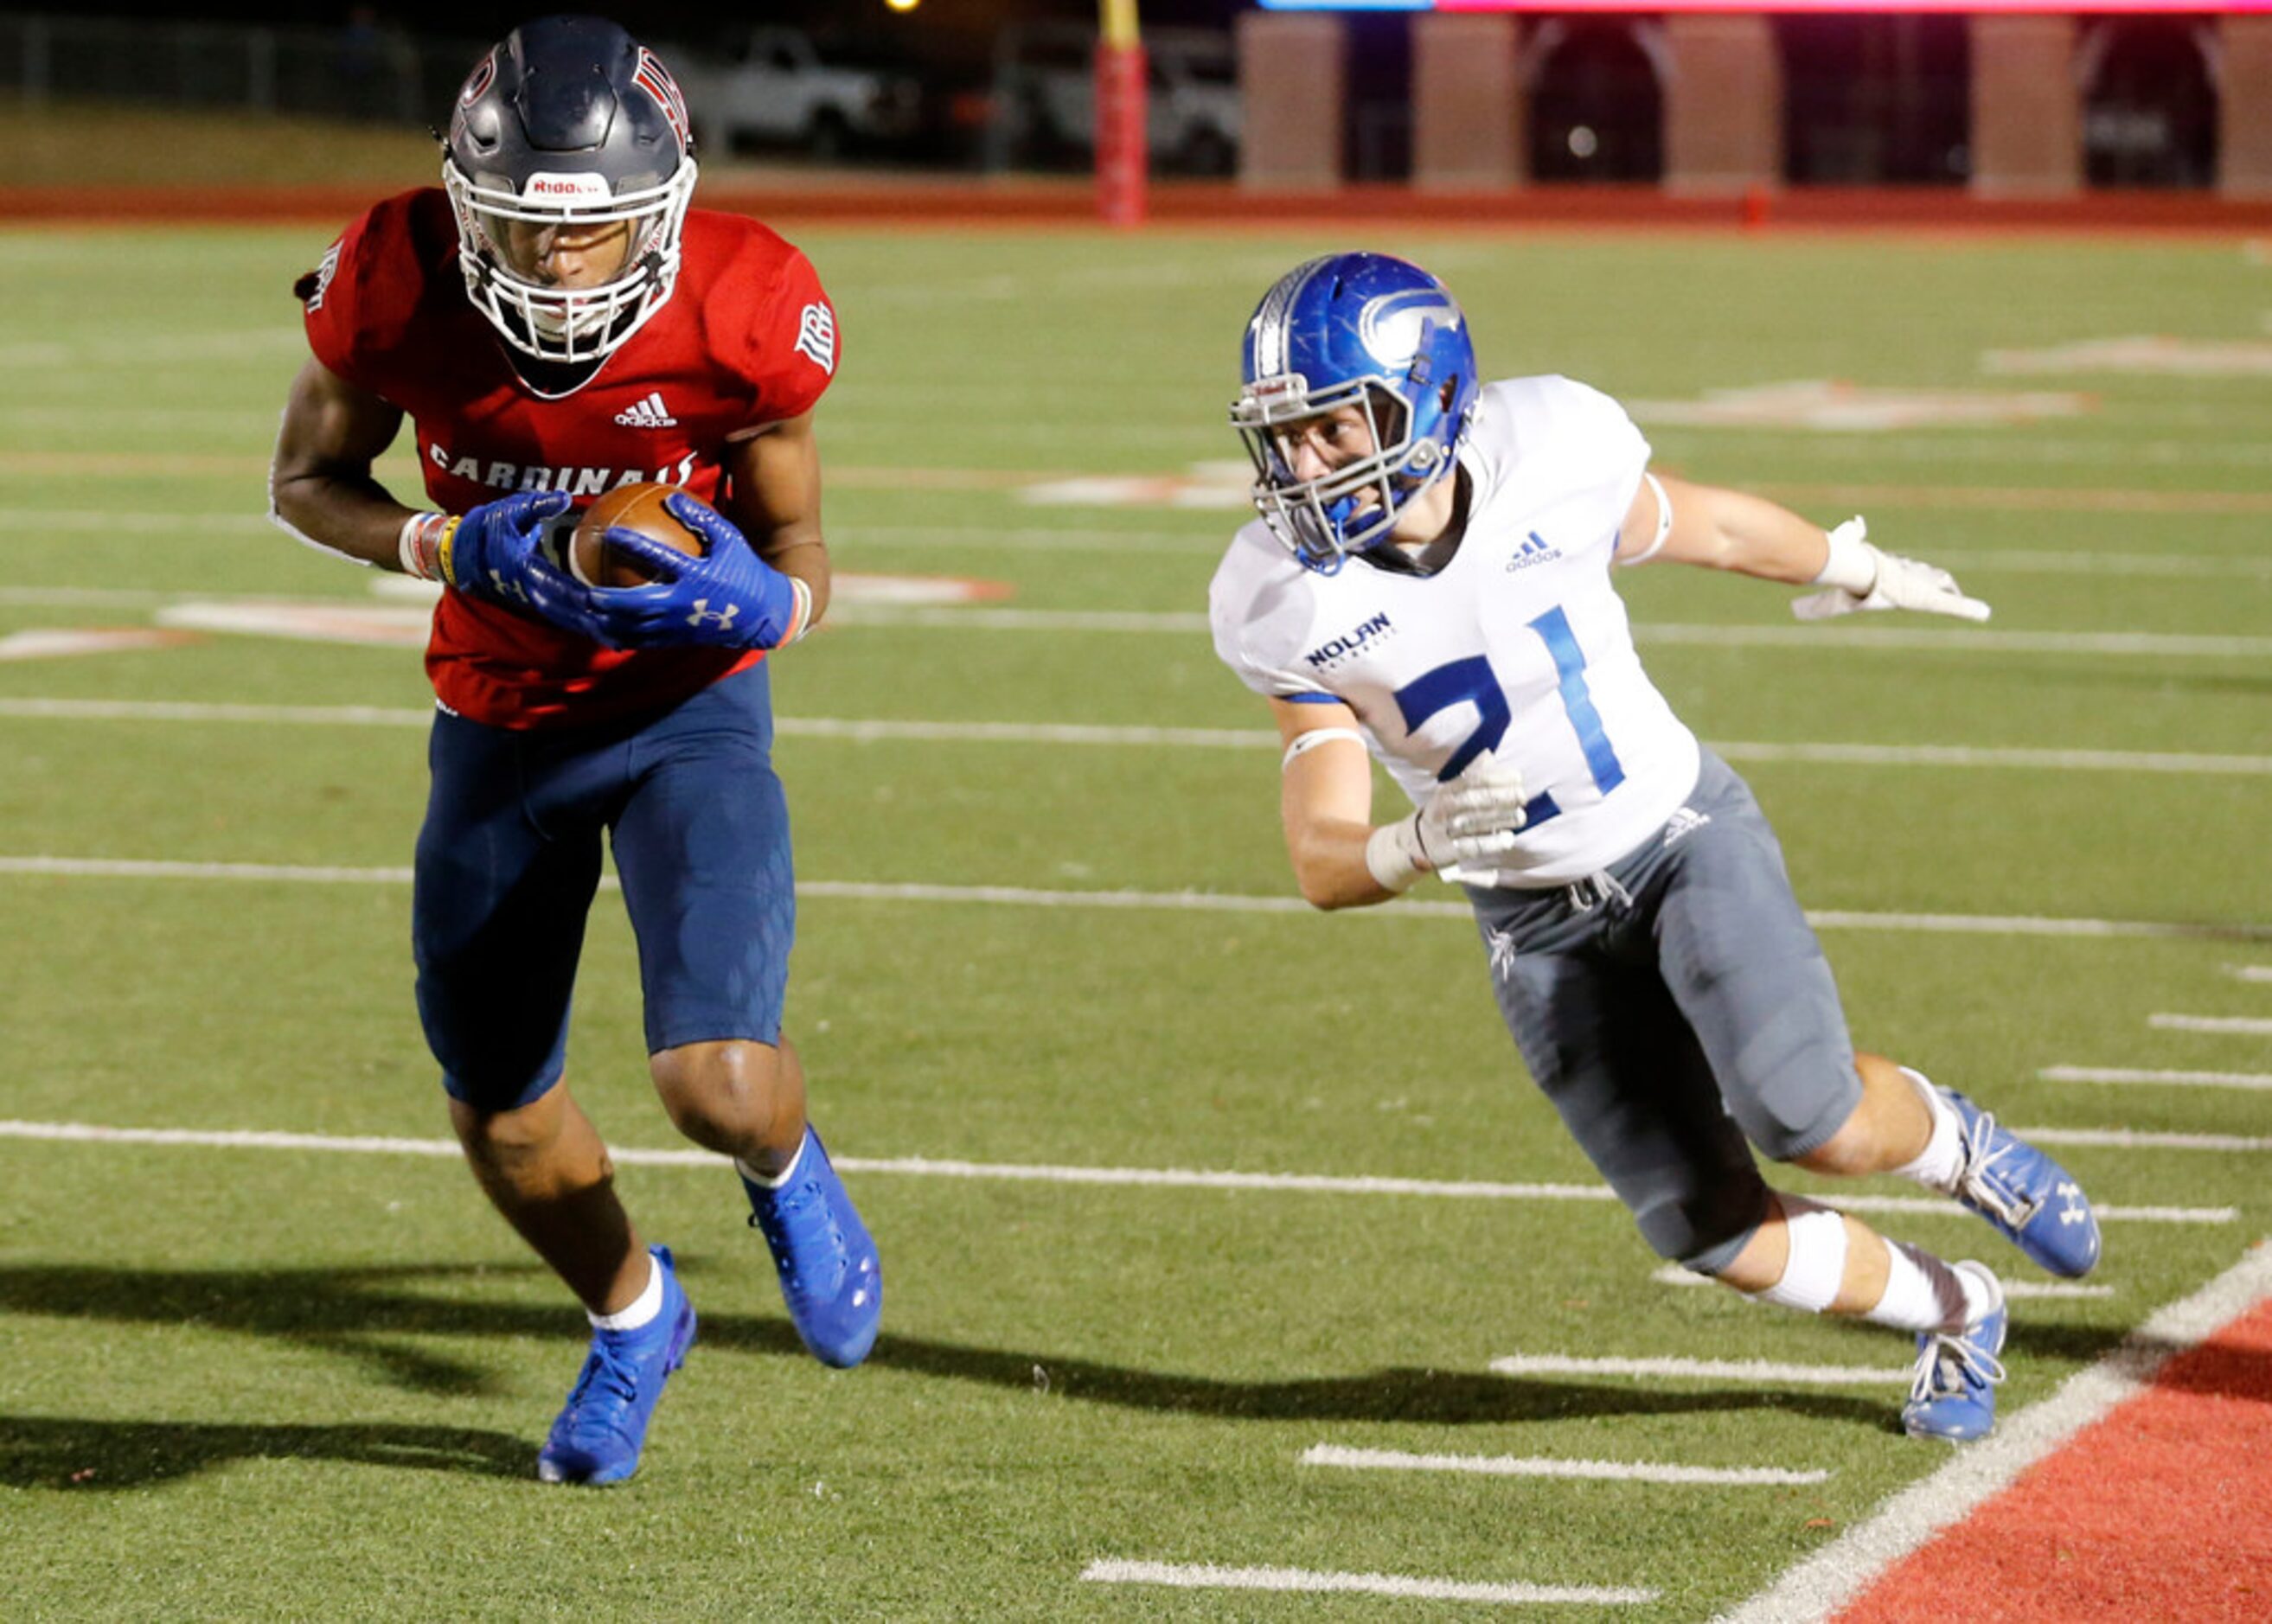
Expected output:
(1936, 1206)
(2234, 1025)
(1206, 1577)
(1670, 1369)
(2134, 1139)
(1971, 756)
(1207, 540)
(2249, 973)
(1205, 902)
(1844, 1569)
(1548, 1466)
(1673, 1274)
(866, 729)
(2171, 565)
(1854, 640)
(2251, 1080)
(937, 1167)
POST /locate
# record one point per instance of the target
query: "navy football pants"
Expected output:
(509, 859)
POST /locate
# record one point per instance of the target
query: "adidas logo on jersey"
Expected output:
(647, 413)
(1535, 549)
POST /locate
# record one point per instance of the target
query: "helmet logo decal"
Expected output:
(653, 78)
(1395, 325)
(482, 78)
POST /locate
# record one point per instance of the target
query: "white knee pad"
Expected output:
(1817, 1262)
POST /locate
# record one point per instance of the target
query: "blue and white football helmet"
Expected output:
(1353, 329)
(568, 122)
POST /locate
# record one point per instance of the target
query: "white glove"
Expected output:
(1859, 577)
(1468, 822)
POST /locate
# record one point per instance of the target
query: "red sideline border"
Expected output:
(863, 201)
(2140, 1490)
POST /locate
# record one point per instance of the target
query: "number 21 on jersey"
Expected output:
(1473, 682)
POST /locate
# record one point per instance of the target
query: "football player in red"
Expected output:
(555, 321)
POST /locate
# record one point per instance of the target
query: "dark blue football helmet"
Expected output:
(568, 123)
(1362, 330)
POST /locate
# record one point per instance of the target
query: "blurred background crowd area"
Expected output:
(1006, 86)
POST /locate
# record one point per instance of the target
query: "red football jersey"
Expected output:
(747, 337)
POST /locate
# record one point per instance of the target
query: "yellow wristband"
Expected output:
(445, 552)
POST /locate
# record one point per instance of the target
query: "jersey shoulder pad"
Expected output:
(1259, 606)
(361, 302)
(765, 313)
(1554, 422)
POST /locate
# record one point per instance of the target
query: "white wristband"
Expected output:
(801, 617)
(1664, 522)
(1852, 563)
(418, 545)
(1392, 855)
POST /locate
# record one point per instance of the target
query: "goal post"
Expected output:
(1122, 159)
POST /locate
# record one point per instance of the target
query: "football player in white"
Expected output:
(1429, 582)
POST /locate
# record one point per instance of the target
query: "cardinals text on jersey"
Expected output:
(736, 345)
(1520, 645)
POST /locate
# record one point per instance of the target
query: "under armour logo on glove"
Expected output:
(757, 605)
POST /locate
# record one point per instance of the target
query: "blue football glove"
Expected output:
(503, 551)
(488, 551)
(729, 598)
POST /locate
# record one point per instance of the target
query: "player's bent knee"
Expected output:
(1852, 1151)
(1704, 1234)
(718, 1092)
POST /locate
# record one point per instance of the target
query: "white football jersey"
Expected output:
(1519, 645)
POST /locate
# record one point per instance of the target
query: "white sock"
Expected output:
(644, 1308)
(1937, 1165)
(1923, 1294)
(773, 1182)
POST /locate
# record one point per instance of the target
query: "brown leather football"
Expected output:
(592, 561)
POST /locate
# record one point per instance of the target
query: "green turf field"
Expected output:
(262, 1383)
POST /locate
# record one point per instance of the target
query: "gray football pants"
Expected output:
(1673, 1008)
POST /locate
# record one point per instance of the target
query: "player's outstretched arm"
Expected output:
(1341, 859)
(1730, 530)
(320, 486)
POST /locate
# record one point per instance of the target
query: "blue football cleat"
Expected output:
(829, 1273)
(599, 1436)
(2030, 1198)
(1953, 1396)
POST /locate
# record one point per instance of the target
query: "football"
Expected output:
(587, 555)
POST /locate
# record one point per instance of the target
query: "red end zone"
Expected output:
(2161, 1510)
